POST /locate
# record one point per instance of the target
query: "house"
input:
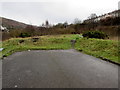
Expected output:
(113, 14)
(3, 29)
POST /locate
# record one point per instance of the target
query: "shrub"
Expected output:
(95, 34)
(23, 35)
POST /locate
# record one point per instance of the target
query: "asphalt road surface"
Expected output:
(57, 69)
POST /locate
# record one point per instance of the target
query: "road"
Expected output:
(57, 69)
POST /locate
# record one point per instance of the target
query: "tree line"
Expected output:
(61, 28)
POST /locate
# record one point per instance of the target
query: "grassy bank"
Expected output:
(104, 49)
(44, 43)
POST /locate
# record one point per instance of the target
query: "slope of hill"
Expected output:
(12, 24)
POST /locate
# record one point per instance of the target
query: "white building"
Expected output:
(3, 28)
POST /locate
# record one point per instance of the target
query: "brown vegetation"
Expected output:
(109, 26)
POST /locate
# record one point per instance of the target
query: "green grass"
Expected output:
(45, 43)
(105, 49)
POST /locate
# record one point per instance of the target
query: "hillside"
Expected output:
(12, 24)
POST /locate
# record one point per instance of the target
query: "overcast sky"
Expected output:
(55, 11)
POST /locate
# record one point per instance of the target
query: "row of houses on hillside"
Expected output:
(113, 14)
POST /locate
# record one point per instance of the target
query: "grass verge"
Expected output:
(44, 43)
(104, 49)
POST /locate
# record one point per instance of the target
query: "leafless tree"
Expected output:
(93, 15)
(77, 21)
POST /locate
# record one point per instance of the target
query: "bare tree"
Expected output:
(92, 22)
(77, 21)
(65, 24)
(43, 25)
(46, 23)
(93, 15)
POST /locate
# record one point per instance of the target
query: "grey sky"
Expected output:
(37, 11)
(119, 5)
